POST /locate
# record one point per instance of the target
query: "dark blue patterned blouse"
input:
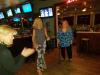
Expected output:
(65, 38)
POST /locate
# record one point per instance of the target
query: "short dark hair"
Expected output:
(64, 19)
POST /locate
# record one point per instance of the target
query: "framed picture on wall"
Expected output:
(97, 19)
(83, 19)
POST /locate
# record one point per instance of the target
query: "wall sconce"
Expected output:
(84, 9)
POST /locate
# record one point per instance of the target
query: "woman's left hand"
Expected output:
(71, 42)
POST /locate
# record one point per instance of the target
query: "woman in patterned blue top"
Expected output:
(65, 38)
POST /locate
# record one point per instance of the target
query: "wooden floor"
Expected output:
(80, 65)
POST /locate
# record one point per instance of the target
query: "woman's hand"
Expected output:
(71, 42)
(35, 46)
(48, 38)
(27, 52)
(58, 43)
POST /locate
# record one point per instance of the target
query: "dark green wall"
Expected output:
(46, 3)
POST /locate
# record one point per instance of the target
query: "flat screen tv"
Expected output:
(9, 12)
(17, 10)
(1, 15)
(30, 19)
(27, 8)
(16, 19)
(46, 12)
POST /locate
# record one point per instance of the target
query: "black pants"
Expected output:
(68, 50)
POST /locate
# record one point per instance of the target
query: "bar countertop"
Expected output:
(86, 32)
(94, 40)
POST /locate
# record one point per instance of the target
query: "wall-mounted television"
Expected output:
(9, 12)
(46, 12)
(17, 10)
(27, 8)
(16, 19)
(2, 15)
(30, 19)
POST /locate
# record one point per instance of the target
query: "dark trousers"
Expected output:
(68, 50)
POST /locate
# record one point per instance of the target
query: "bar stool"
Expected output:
(84, 46)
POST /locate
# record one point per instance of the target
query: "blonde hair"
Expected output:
(38, 23)
(4, 31)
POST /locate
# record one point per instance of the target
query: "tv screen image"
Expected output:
(50, 11)
(17, 10)
(1, 15)
(16, 19)
(30, 19)
(46, 12)
(42, 13)
(9, 13)
(27, 8)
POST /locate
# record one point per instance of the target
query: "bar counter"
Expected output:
(93, 41)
